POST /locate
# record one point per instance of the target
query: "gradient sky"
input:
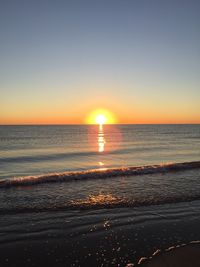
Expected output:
(60, 60)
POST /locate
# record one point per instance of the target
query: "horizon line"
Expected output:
(84, 124)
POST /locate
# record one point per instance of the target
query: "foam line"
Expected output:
(98, 174)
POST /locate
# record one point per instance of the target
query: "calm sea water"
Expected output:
(33, 154)
(35, 150)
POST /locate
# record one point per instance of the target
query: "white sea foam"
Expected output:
(98, 174)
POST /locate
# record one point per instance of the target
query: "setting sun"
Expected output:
(100, 119)
(101, 116)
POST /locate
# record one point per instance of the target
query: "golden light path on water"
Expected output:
(100, 199)
(108, 142)
(101, 117)
(101, 139)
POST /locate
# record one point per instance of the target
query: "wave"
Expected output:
(98, 174)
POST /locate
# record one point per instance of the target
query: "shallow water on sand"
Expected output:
(103, 237)
(110, 192)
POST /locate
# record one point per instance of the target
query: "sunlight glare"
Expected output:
(101, 116)
(100, 119)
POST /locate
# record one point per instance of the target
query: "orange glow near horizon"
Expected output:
(84, 115)
(101, 116)
(126, 119)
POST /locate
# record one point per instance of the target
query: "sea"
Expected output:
(83, 183)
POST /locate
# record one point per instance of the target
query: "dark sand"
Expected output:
(186, 256)
(41, 254)
(102, 238)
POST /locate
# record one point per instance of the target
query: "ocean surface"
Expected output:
(98, 165)
(133, 184)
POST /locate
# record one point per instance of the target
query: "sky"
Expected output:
(61, 60)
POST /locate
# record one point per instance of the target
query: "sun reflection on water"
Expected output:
(99, 199)
(101, 139)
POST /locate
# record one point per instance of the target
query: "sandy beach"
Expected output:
(102, 237)
(184, 256)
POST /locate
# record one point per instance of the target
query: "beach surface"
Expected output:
(101, 237)
(184, 256)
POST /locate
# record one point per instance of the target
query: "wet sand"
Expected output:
(102, 238)
(55, 253)
(186, 256)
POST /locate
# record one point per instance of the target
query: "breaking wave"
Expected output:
(98, 174)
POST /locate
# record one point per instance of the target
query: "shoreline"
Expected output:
(183, 255)
(101, 238)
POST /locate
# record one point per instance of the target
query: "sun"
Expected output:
(100, 119)
(101, 116)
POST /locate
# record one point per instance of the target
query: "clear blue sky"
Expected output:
(61, 59)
